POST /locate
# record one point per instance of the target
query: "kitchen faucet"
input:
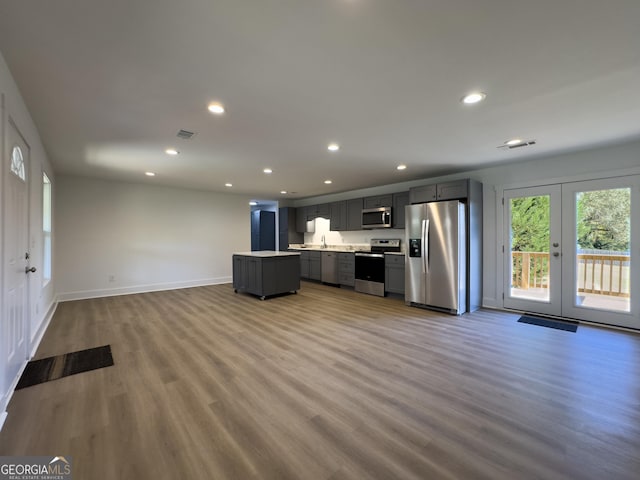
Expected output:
(324, 243)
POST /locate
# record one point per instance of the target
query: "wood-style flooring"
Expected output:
(329, 384)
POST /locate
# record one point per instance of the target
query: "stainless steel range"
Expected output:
(369, 271)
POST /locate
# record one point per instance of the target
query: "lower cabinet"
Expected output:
(346, 269)
(394, 274)
(310, 265)
(265, 276)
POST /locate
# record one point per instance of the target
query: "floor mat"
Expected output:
(53, 368)
(546, 322)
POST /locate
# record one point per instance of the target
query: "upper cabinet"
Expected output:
(423, 194)
(354, 214)
(338, 216)
(378, 201)
(306, 215)
(315, 211)
(400, 200)
(456, 190)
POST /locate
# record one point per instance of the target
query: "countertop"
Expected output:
(337, 248)
(267, 254)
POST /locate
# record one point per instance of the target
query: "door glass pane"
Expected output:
(530, 247)
(603, 262)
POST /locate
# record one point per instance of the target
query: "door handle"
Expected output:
(556, 254)
(30, 270)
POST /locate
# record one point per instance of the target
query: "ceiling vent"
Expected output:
(518, 145)
(185, 134)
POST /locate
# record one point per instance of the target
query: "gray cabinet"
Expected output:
(315, 266)
(423, 194)
(400, 200)
(354, 214)
(287, 231)
(304, 264)
(394, 274)
(338, 216)
(346, 269)
(456, 190)
(305, 215)
(378, 201)
(301, 219)
(310, 265)
(346, 215)
(314, 211)
(265, 276)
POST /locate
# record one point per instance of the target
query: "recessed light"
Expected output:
(401, 167)
(150, 174)
(473, 97)
(283, 192)
(328, 182)
(171, 151)
(216, 108)
(513, 141)
(228, 184)
(267, 171)
(333, 147)
(252, 203)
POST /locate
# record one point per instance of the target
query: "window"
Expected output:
(17, 163)
(46, 229)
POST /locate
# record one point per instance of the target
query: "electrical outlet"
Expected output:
(112, 278)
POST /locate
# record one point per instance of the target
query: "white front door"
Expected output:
(16, 224)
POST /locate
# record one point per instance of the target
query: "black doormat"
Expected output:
(545, 322)
(53, 368)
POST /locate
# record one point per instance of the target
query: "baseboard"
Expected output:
(156, 287)
(9, 393)
(3, 417)
(35, 342)
(37, 338)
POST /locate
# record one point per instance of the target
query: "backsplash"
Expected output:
(360, 237)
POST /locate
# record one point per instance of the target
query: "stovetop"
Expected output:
(385, 245)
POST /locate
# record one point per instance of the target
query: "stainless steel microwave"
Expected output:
(376, 217)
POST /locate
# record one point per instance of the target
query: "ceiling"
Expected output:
(110, 83)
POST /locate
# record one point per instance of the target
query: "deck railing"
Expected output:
(530, 270)
(599, 274)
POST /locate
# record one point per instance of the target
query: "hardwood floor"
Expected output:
(329, 384)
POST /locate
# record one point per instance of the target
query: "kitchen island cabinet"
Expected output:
(266, 273)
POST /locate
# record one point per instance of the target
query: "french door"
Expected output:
(532, 249)
(571, 250)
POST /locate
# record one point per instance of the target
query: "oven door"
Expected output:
(369, 273)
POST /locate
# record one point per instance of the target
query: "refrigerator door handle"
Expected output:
(425, 246)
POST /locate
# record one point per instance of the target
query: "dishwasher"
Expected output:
(329, 267)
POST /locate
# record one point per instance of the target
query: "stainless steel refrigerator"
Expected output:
(435, 261)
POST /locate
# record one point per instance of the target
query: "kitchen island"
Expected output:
(266, 273)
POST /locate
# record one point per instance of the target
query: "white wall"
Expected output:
(616, 160)
(41, 299)
(115, 237)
